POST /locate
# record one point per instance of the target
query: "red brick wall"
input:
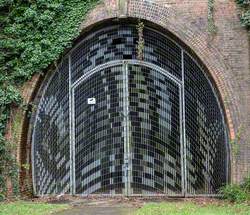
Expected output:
(225, 54)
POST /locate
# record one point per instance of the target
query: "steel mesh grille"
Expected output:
(51, 161)
(113, 43)
(205, 133)
(155, 132)
(99, 133)
(118, 43)
(132, 140)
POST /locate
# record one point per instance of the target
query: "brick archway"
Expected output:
(191, 33)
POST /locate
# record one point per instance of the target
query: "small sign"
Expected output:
(91, 101)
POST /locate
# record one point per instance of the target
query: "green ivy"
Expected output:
(245, 14)
(33, 34)
(237, 192)
(212, 29)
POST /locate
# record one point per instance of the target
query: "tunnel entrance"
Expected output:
(107, 123)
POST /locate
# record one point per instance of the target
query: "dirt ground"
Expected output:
(112, 206)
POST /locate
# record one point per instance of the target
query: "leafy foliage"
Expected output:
(210, 16)
(141, 42)
(245, 14)
(235, 143)
(33, 34)
(236, 192)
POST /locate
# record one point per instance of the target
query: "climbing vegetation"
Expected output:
(245, 12)
(210, 18)
(140, 42)
(244, 15)
(33, 34)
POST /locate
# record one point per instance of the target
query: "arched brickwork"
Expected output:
(225, 55)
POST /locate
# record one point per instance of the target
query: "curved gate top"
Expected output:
(107, 123)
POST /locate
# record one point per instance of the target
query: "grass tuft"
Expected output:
(30, 208)
(190, 208)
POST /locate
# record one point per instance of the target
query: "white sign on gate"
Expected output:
(91, 101)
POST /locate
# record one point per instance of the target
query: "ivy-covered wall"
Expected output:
(33, 34)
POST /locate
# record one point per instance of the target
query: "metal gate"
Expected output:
(128, 139)
(109, 124)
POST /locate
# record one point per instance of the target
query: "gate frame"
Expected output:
(124, 64)
(210, 80)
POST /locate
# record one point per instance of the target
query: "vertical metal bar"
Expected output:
(181, 141)
(71, 134)
(129, 132)
(125, 129)
(127, 154)
(184, 144)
